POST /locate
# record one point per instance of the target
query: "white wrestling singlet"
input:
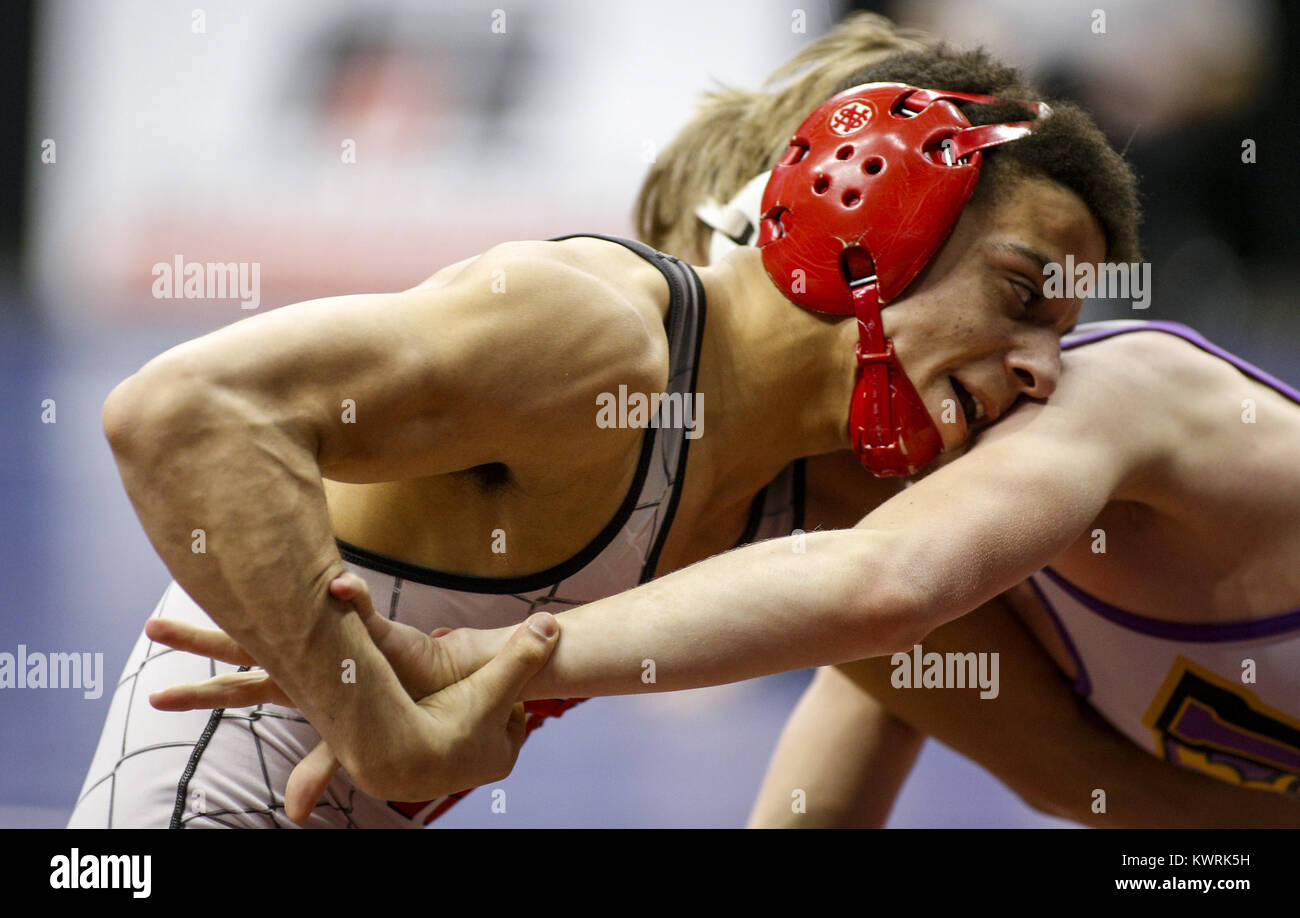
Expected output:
(230, 767)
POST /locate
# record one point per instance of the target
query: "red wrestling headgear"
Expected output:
(870, 187)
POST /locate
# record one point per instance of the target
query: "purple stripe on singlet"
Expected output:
(1082, 684)
(1198, 724)
(1111, 329)
(1192, 632)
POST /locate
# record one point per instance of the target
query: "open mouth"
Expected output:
(970, 406)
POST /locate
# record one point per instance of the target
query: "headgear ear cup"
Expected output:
(867, 191)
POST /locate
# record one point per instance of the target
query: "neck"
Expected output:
(777, 378)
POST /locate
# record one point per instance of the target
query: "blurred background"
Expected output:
(350, 146)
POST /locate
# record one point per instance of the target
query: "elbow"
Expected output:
(906, 626)
(142, 411)
(118, 413)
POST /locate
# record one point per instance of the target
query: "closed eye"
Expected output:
(1026, 295)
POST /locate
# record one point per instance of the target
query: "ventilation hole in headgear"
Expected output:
(844, 152)
(873, 165)
(770, 227)
(857, 265)
(798, 150)
(820, 184)
(851, 198)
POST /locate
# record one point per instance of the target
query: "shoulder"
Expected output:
(1143, 397)
(1142, 351)
(1147, 374)
(561, 311)
(587, 278)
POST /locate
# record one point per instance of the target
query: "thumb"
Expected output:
(348, 587)
(503, 677)
(308, 782)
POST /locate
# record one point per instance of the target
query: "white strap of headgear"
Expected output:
(726, 219)
(736, 222)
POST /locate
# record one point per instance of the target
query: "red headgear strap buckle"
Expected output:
(870, 187)
(889, 427)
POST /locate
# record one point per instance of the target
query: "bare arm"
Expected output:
(231, 434)
(1046, 744)
(935, 551)
(840, 763)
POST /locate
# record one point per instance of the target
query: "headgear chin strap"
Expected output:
(869, 188)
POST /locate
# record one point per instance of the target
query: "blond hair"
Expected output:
(738, 133)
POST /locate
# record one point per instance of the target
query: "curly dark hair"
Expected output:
(1067, 147)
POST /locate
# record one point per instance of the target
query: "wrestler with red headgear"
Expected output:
(452, 448)
(868, 190)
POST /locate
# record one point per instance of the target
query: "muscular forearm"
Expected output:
(926, 556)
(762, 609)
(231, 498)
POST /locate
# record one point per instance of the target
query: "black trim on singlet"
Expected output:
(756, 508)
(466, 583)
(679, 478)
(183, 785)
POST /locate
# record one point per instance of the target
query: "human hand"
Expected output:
(466, 728)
